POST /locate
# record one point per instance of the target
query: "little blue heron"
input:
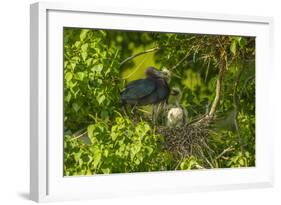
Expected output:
(152, 90)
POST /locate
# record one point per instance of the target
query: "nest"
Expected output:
(189, 139)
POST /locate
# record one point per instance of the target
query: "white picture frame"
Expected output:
(47, 182)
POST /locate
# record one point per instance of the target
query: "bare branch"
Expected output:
(222, 68)
(183, 59)
(140, 53)
(76, 137)
(225, 151)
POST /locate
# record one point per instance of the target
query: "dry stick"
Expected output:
(185, 57)
(79, 135)
(140, 53)
(178, 164)
(180, 62)
(152, 50)
(205, 158)
(116, 53)
(222, 68)
(224, 151)
(218, 89)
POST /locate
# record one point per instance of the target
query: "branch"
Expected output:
(180, 62)
(76, 137)
(216, 101)
(224, 151)
(136, 69)
(183, 59)
(140, 53)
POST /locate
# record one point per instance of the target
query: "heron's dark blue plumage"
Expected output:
(151, 90)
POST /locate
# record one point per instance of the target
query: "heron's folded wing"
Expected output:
(138, 89)
(163, 89)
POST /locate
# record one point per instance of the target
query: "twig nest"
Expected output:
(186, 140)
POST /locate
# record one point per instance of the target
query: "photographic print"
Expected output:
(137, 101)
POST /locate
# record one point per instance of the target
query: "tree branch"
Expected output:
(224, 151)
(183, 59)
(76, 137)
(218, 90)
(138, 54)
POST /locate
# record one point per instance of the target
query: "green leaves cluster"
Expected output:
(91, 86)
(190, 163)
(120, 148)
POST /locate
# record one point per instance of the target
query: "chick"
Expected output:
(176, 115)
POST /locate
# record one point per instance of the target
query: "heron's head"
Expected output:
(166, 73)
(176, 91)
(153, 72)
(175, 95)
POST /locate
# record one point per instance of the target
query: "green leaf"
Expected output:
(84, 55)
(242, 42)
(77, 44)
(137, 161)
(89, 61)
(241, 161)
(149, 150)
(101, 99)
(76, 107)
(106, 171)
(97, 159)
(90, 130)
(89, 172)
(233, 47)
(113, 136)
(73, 65)
(105, 152)
(97, 68)
(77, 156)
(65, 64)
(83, 34)
(80, 75)
(67, 98)
(68, 76)
(102, 32)
(84, 47)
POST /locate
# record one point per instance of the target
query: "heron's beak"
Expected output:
(160, 74)
(174, 92)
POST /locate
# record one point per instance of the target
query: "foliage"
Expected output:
(190, 163)
(122, 147)
(91, 74)
(118, 143)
